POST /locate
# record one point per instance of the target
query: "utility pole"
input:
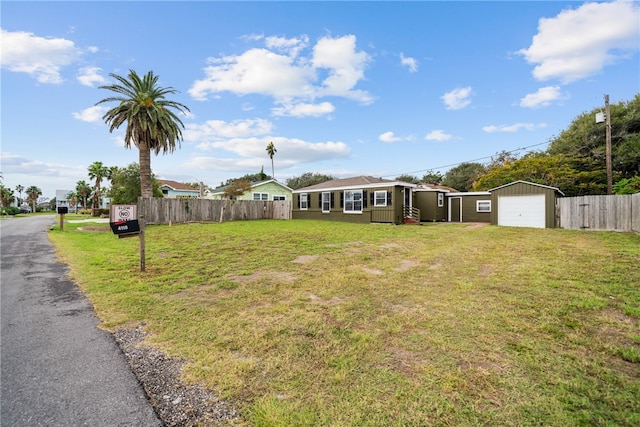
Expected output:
(607, 123)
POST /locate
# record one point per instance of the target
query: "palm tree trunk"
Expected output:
(146, 188)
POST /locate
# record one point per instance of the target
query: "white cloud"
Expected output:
(438, 135)
(91, 114)
(304, 110)
(513, 128)
(542, 98)
(580, 42)
(409, 62)
(41, 58)
(458, 98)
(333, 68)
(219, 129)
(90, 76)
(389, 137)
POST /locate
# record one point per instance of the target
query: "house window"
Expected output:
(380, 198)
(261, 196)
(440, 200)
(483, 206)
(326, 202)
(279, 197)
(353, 201)
(304, 201)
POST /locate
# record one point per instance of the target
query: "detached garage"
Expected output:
(524, 204)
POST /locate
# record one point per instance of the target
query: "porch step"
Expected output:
(411, 221)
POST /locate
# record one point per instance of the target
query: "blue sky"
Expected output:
(341, 88)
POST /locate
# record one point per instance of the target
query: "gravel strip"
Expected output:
(175, 403)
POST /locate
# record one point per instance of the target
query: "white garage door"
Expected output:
(522, 211)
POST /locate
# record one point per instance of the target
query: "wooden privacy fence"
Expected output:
(165, 210)
(612, 213)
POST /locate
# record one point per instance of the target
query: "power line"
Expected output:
(459, 163)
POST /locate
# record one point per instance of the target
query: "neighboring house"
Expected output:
(262, 190)
(177, 190)
(359, 199)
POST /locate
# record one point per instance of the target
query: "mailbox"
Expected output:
(63, 209)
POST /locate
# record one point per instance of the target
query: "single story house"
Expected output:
(178, 190)
(262, 190)
(524, 204)
(362, 199)
(469, 206)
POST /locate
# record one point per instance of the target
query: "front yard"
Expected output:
(314, 323)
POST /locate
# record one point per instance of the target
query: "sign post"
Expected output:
(124, 223)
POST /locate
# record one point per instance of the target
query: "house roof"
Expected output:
(253, 185)
(528, 183)
(354, 182)
(435, 187)
(175, 185)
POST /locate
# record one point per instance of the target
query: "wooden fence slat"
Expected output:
(165, 210)
(611, 212)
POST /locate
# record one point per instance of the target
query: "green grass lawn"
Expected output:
(311, 323)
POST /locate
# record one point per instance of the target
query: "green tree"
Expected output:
(408, 178)
(33, 193)
(151, 123)
(432, 177)
(97, 171)
(271, 150)
(83, 190)
(307, 179)
(463, 176)
(125, 185)
(627, 185)
(19, 189)
(6, 196)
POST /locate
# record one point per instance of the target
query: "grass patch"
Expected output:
(324, 323)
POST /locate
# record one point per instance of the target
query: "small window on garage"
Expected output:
(483, 206)
(440, 200)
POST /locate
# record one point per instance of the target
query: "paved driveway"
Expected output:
(57, 367)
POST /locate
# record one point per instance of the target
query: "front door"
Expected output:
(407, 202)
(455, 209)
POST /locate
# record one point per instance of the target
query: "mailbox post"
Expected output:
(123, 220)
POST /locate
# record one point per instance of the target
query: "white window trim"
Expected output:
(353, 211)
(483, 202)
(375, 199)
(279, 197)
(304, 201)
(262, 197)
(440, 200)
(328, 202)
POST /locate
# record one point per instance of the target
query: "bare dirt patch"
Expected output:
(281, 276)
(305, 259)
(94, 228)
(372, 271)
(475, 225)
(406, 264)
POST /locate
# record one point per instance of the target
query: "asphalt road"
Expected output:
(57, 367)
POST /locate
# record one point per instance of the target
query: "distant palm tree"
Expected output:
(20, 189)
(98, 172)
(271, 150)
(83, 190)
(151, 123)
(33, 193)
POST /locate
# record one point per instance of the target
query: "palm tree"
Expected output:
(83, 190)
(19, 189)
(271, 150)
(98, 172)
(33, 193)
(151, 122)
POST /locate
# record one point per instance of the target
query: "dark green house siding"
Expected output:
(391, 213)
(427, 202)
(469, 203)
